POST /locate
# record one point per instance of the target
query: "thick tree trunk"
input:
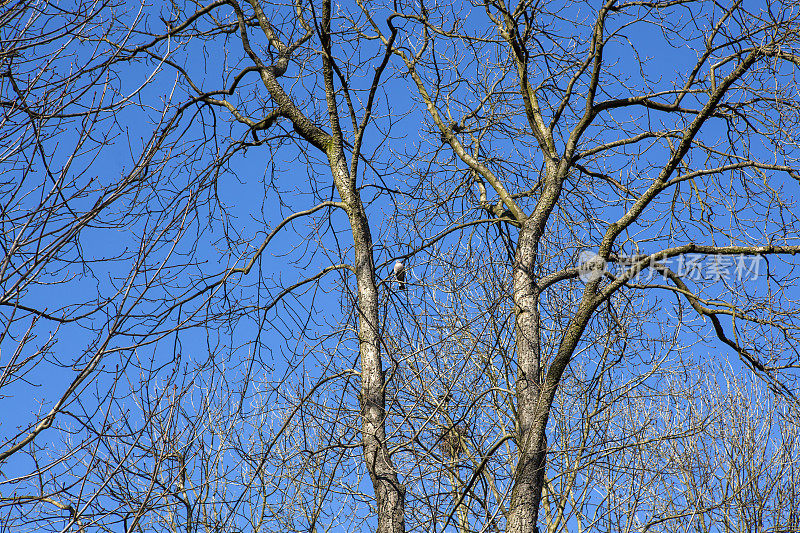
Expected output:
(531, 437)
(535, 388)
(389, 493)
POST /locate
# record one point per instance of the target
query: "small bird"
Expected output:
(399, 271)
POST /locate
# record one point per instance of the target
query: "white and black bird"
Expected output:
(399, 272)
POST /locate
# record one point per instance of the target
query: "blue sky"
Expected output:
(231, 212)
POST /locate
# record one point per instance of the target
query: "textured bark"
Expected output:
(530, 442)
(534, 390)
(389, 493)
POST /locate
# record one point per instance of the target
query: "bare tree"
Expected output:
(558, 126)
(120, 60)
(203, 205)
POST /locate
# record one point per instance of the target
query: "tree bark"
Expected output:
(389, 493)
(531, 437)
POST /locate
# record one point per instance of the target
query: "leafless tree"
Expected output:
(59, 329)
(203, 204)
(134, 82)
(561, 122)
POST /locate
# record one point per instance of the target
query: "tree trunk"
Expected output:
(389, 493)
(531, 440)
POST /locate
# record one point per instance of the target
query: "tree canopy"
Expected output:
(592, 205)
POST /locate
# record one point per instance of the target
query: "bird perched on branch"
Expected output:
(399, 272)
